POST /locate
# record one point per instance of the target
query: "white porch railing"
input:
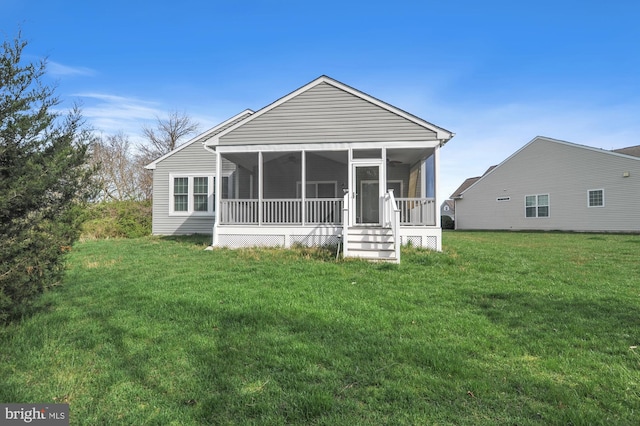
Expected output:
(238, 212)
(413, 211)
(417, 211)
(391, 219)
(281, 211)
(323, 210)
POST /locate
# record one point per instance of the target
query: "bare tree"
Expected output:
(167, 135)
(119, 174)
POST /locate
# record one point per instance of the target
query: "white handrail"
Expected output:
(392, 219)
(346, 220)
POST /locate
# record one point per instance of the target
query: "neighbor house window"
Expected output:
(596, 197)
(191, 194)
(537, 205)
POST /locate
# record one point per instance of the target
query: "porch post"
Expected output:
(217, 195)
(383, 172)
(260, 170)
(303, 189)
(436, 183)
(348, 203)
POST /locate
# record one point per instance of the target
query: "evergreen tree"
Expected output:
(44, 179)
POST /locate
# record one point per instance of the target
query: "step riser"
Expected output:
(387, 255)
(372, 232)
(370, 245)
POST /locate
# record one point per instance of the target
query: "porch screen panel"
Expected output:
(327, 173)
(281, 172)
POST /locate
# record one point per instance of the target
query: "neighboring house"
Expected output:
(555, 185)
(322, 164)
(448, 208)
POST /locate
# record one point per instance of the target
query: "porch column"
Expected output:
(303, 189)
(260, 181)
(436, 183)
(217, 195)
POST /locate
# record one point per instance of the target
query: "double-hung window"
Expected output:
(191, 194)
(595, 197)
(537, 205)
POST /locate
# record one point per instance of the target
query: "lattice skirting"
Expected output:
(314, 240)
(239, 241)
(430, 242)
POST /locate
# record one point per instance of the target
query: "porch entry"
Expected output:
(367, 194)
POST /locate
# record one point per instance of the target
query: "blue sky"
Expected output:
(497, 73)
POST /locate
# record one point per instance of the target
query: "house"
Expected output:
(448, 208)
(324, 164)
(551, 184)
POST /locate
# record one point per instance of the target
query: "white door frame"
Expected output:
(356, 190)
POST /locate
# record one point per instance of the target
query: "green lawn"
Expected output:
(499, 328)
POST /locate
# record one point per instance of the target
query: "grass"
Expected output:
(499, 328)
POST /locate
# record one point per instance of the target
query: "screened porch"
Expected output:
(312, 187)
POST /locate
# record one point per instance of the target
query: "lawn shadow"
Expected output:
(307, 363)
(561, 323)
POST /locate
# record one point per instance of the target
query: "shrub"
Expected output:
(447, 222)
(117, 219)
(44, 179)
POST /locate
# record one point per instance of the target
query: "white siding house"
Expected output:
(323, 164)
(555, 185)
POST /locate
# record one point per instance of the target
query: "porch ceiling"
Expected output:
(407, 156)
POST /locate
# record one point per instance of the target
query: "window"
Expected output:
(181, 194)
(191, 194)
(200, 194)
(537, 205)
(325, 189)
(596, 197)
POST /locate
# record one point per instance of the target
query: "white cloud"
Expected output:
(57, 69)
(111, 114)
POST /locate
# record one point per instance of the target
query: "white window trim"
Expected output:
(548, 206)
(316, 182)
(589, 198)
(190, 211)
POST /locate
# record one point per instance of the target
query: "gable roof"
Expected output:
(467, 183)
(634, 151)
(442, 134)
(202, 137)
(547, 139)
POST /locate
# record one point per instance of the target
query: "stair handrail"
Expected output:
(392, 219)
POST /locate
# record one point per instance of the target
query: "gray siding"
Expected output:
(193, 159)
(325, 113)
(564, 171)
